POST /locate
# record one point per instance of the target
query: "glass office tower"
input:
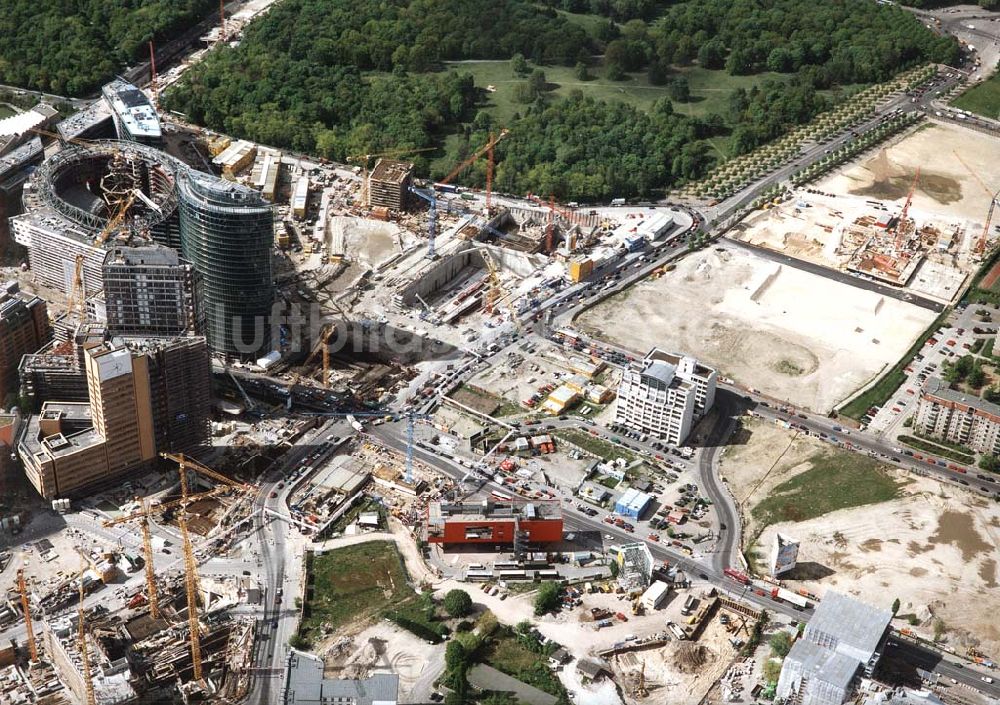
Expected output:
(227, 233)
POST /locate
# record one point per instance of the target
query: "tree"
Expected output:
(679, 89)
(976, 377)
(895, 607)
(537, 81)
(989, 463)
(519, 65)
(524, 93)
(615, 72)
(581, 72)
(712, 55)
(780, 644)
(457, 603)
(547, 598)
(656, 74)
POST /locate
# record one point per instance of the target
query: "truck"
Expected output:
(793, 598)
(355, 424)
(737, 575)
(689, 604)
(676, 630)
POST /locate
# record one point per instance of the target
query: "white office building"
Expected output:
(664, 395)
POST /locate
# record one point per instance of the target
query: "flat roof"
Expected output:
(853, 623)
(492, 510)
(391, 170)
(937, 387)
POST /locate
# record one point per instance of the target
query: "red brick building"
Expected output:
(494, 522)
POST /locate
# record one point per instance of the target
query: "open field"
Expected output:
(776, 475)
(982, 99)
(710, 90)
(355, 583)
(793, 335)
(958, 176)
(934, 548)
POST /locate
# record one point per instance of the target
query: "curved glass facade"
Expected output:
(227, 233)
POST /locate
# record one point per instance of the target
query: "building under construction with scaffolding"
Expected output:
(83, 200)
(389, 184)
(494, 521)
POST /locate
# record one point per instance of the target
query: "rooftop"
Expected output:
(133, 109)
(391, 170)
(851, 622)
(438, 512)
(937, 387)
(304, 683)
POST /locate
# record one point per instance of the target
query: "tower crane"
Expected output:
(906, 209)
(29, 626)
(190, 565)
(363, 160)
(411, 420)
(981, 244)
(81, 635)
(143, 515)
(116, 219)
(431, 196)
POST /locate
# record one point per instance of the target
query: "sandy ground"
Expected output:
(793, 335)
(811, 226)
(934, 548)
(957, 172)
(369, 242)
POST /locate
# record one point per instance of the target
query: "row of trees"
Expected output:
(70, 47)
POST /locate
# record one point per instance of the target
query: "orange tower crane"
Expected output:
(906, 210)
(143, 514)
(22, 587)
(486, 149)
(981, 244)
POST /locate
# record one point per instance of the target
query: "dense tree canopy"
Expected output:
(341, 78)
(69, 47)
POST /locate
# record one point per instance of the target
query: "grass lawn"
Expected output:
(355, 582)
(505, 653)
(983, 99)
(937, 449)
(710, 89)
(836, 480)
(592, 444)
(6, 112)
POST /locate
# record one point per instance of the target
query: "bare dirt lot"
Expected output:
(934, 548)
(957, 172)
(794, 335)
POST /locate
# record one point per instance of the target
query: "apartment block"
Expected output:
(952, 416)
(24, 328)
(664, 395)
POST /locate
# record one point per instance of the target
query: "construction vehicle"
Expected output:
(29, 626)
(640, 690)
(981, 244)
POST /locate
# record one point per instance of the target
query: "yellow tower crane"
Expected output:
(143, 515)
(88, 681)
(190, 565)
(22, 587)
